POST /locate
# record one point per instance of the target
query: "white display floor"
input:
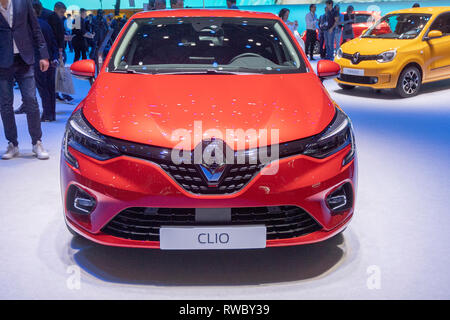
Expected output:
(396, 247)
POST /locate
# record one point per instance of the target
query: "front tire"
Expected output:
(409, 82)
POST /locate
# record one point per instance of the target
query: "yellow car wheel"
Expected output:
(409, 82)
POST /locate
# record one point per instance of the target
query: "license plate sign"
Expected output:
(353, 72)
(212, 237)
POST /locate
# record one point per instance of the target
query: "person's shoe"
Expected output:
(20, 110)
(67, 97)
(39, 151)
(311, 59)
(11, 152)
(68, 101)
(59, 98)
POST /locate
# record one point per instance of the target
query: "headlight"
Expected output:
(337, 136)
(81, 136)
(339, 53)
(387, 56)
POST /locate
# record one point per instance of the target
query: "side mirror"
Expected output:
(433, 34)
(84, 69)
(327, 69)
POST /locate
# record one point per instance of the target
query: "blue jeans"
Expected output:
(329, 43)
(337, 39)
(45, 83)
(24, 75)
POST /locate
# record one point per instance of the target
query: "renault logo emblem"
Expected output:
(213, 161)
(355, 58)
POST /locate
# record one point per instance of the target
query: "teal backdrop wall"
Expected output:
(298, 11)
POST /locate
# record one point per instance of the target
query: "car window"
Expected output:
(442, 23)
(362, 18)
(398, 26)
(199, 44)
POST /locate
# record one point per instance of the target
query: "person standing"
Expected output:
(67, 31)
(45, 81)
(323, 27)
(338, 29)
(176, 4)
(311, 31)
(100, 28)
(80, 35)
(20, 35)
(284, 15)
(349, 19)
(332, 21)
(231, 4)
(160, 4)
(117, 25)
(55, 20)
(89, 24)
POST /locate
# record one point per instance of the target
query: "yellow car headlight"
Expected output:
(387, 56)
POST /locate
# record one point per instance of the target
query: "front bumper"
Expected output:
(376, 75)
(126, 182)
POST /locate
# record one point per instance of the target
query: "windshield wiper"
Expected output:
(237, 70)
(203, 71)
(131, 71)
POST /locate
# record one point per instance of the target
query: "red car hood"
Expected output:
(148, 108)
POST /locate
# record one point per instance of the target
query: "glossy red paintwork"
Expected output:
(147, 108)
(326, 68)
(84, 68)
(129, 182)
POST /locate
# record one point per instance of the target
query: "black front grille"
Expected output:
(189, 176)
(282, 222)
(360, 58)
(358, 79)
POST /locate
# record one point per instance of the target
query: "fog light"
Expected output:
(79, 201)
(337, 202)
(83, 204)
(341, 199)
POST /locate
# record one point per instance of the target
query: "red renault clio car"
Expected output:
(207, 129)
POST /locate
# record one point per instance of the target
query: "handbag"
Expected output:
(64, 83)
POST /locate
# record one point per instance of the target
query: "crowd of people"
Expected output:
(329, 30)
(30, 55)
(326, 29)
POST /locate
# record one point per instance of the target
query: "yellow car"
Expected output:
(402, 50)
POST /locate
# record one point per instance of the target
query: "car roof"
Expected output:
(367, 12)
(429, 10)
(204, 13)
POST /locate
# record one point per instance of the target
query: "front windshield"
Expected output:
(398, 26)
(206, 45)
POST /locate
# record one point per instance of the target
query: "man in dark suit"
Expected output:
(20, 35)
(45, 81)
(55, 20)
(80, 34)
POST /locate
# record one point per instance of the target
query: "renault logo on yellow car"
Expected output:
(355, 58)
